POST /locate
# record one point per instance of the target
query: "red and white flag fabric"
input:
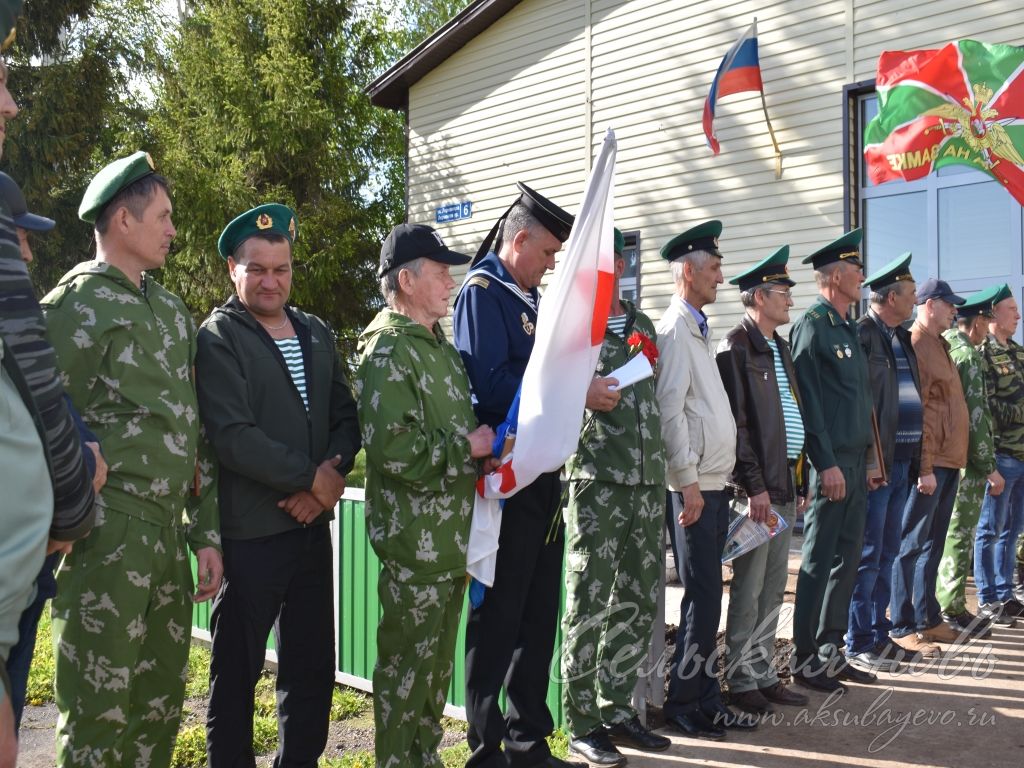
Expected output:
(571, 322)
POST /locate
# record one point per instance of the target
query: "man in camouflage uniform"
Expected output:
(614, 544)
(972, 327)
(421, 442)
(1001, 520)
(122, 615)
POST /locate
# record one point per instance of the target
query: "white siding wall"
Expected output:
(511, 106)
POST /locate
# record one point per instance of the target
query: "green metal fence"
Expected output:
(357, 612)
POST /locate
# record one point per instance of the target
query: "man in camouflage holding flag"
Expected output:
(123, 611)
(422, 441)
(613, 551)
(950, 590)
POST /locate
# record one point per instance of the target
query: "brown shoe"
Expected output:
(916, 644)
(752, 701)
(940, 633)
(780, 694)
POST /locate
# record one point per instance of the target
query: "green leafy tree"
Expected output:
(262, 101)
(79, 72)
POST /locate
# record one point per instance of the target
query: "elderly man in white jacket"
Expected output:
(700, 441)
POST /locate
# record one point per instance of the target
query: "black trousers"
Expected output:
(510, 637)
(282, 582)
(693, 684)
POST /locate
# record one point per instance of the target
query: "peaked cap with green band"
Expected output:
(896, 271)
(703, 237)
(10, 10)
(983, 302)
(620, 242)
(845, 248)
(771, 269)
(111, 180)
(267, 218)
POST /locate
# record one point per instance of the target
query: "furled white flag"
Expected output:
(552, 397)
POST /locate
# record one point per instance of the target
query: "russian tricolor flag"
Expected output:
(739, 71)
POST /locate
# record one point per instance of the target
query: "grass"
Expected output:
(40, 674)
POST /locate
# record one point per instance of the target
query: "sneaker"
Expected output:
(598, 749)
(873, 660)
(994, 613)
(975, 626)
(941, 633)
(1013, 607)
(916, 644)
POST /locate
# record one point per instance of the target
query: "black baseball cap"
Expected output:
(12, 196)
(932, 288)
(408, 242)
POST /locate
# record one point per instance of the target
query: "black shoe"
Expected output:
(695, 725)
(975, 626)
(817, 679)
(632, 734)
(780, 694)
(725, 717)
(1013, 607)
(752, 701)
(597, 749)
(847, 671)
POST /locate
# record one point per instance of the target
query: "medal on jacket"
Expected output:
(527, 325)
(839, 352)
(848, 352)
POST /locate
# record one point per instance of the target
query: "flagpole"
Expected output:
(775, 143)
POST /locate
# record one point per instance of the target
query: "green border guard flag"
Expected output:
(962, 103)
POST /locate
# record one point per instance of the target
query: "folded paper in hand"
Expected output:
(746, 534)
(637, 369)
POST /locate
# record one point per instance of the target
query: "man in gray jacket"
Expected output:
(278, 410)
(700, 444)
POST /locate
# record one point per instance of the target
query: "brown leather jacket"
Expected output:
(946, 422)
(748, 372)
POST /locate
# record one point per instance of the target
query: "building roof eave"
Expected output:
(391, 89)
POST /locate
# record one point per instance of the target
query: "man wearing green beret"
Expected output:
(831, 372)
(973, 317)
(277, 408)
(613, 544)
(896, 394)
(699, 433)
(1001, 519)
(123, 609)
(769, 477)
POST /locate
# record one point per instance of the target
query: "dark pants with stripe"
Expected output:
(510, 637)
(693, 683)
(281, 582)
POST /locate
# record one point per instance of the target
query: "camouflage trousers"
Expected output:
(613, 563)
(121, 631)
(955, 565)
(415, 658)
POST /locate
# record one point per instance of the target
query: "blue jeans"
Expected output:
(869, 624)
(1001, 520)
(925, 521)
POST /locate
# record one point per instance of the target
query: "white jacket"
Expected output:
(696, 420)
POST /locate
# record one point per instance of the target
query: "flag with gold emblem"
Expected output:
(962, 103)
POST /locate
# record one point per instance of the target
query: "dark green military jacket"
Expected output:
(832, 373)
(623, 445)
(981, 457)
(1004, 379)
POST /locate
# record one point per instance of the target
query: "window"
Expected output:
(629, 283)
(959, 223)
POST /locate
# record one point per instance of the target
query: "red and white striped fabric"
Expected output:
(570, 328)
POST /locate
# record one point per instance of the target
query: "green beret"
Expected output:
(769, 270)
(982, 302)
(10, 10)
(895, 271)
(620, 242)
(703, 237)
(111, 180)
(846, 248)
(270, 217)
